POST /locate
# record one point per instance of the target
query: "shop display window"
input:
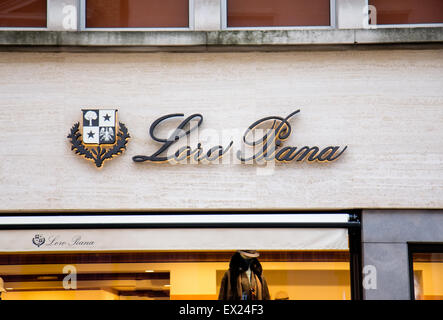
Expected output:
(427, 272)
(278, 13)
(408, 11)
(23, 14)
(175, 275)
(137, 13)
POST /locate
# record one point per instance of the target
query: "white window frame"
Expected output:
(83, 27)
(224, 21)
(31, 28)
(410, 25)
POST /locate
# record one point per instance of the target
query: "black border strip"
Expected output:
(171, 212)
(355, 259)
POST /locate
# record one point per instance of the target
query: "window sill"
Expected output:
(225, 38)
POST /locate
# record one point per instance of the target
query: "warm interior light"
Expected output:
(325, 279)
(47, 278)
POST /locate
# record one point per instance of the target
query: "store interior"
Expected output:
(175, 275)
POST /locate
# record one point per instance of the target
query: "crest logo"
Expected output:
(100, 137)
(38, 240)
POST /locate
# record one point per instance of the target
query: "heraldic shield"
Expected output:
(99, 126)
(101, 137)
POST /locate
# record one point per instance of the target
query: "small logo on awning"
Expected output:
(38, 240)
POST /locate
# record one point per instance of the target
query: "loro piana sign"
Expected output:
(101, 138)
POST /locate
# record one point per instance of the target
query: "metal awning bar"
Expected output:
(330, 220)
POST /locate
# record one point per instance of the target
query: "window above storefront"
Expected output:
(23, 14)
(278, 13)
(162, 25)
(138, 14)
(407, 12)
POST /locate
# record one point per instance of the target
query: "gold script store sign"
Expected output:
(265, 136)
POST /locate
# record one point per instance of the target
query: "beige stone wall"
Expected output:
(385, 105)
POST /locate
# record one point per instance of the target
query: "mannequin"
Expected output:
(244, 279)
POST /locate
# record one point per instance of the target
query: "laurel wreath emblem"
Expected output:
(98, 154)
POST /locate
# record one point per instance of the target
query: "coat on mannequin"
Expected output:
(244, 279)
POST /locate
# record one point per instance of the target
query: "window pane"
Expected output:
(176, 275)
(428, 276)
(23, 13)
(137, 13)
(408, 11)
(266, 13)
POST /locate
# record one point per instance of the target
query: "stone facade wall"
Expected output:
(386, 105)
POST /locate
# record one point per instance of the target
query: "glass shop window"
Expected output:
(408, 11)
(137, 14)
(175, 275)
(23, 14)
(428, 275)
(278, 13)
